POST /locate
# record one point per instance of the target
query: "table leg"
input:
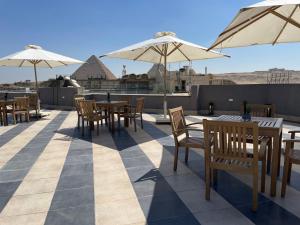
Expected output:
(112, 119)
(276, 146)
(279, 154)
(5, 118)
(126, 120)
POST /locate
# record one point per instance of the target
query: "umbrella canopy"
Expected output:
(35, 56)
(164, 44)
(164, 48)
(267, 22)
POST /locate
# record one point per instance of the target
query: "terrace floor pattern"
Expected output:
(50, 175)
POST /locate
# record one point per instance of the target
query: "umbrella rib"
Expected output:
(242, 28)
(140, 55)
(48, 64)
(63, 63)
(21, 64)
(156, 50)
(175, 48)
(188, 59)
(249, 19)
(284, 26)
(289, 20)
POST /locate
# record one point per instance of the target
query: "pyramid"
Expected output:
(93, 68)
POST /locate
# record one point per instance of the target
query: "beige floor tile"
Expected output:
(53, 155)
(37, 186)
(27, 204)
(108, 165)
(119, 212)
(51, 163)
(110, 176)
(42, 173)
(29, 219)
(113, 192)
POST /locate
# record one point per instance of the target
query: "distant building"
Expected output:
(96, 76)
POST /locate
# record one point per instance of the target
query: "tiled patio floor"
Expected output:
(50, 175)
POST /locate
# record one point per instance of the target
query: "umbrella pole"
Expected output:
(35, 75)
(165, 85)
(37, 89)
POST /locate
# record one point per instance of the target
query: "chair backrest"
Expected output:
(227, 142)
(260, 110)
(178, 123)
(21, 103)
(87, 108)
(126, 98)
(76, 103)
(33, 100)
(139, 105)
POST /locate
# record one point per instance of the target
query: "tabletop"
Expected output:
(8, 101)
(263, 122)
(105, 102)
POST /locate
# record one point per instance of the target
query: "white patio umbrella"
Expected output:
(34, 56)
(164, 48)
(267, 22)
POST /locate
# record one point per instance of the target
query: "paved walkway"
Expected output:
(50, 175)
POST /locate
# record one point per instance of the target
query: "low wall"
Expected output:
(154, 102)
(58, 96)
(228, 98)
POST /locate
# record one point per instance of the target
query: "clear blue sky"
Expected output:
(80, 28)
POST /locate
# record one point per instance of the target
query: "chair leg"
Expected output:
(14, 118)
(263, 176)
(269, 156)
(175, 158)
(255, 190)
(82, 126)
(78, 121)
(142, 125)
(97, 127)
(207, 181)
(28, 117)
(134, 121)
(289, 173)
(186, 154)
(285, 176)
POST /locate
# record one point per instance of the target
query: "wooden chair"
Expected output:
(261, 110)
(181, 135)
(77, 107)
(226, 149)
(19, 108)
(89, 113)
(291, 156)
(123, 109)
(133, 112)
(33, 103)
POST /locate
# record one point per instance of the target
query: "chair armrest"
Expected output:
(194, 129)
(291, 140)
(294, 131)
(191, 124)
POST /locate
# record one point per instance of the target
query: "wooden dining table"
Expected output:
(111, 107)
(272, 128)
(4, 103)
